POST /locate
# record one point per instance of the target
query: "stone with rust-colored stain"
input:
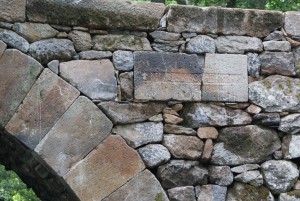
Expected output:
(207, 132)
(12, 10)
(167, 76)
(82, 127)
(45, 103)
(143, 187)
(95, 79)
(104, 170)
(18, 74)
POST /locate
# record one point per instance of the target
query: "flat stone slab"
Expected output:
(225, 21)
(102, 14)
(12, 10)
(225, 78)
(292, 23)
(18, 74)
(45, 103)
(167, 76)
(82, 127)
(96, 79)
(104, 170)
(143, 187)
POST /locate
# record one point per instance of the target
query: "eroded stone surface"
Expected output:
(95, 79)
(34, 31)
(185, 193)
(244, 168)
(143, 187)
(183, 147)
(238, 44)
(163, 35)
(124, 113)
(225, 78)
(120, 42)
(220, 175)
(105, 170)
(292, 23)
(54, 66)
(201, 45)
(45, 103)
(181, 173)
(256, 23)
(253, 178)
(290, 124)
(276, 94)
(164, 76)
(231, 150)
(279, 175)
(290, 196)
(140, 133)
(123, 60)
(279, 46)
(212, 192)
(267, 119)
(207, 133)
(154, 155)
(200, 114)
(93, 55)
(12, 10)
(82, 127)
(254, 64)
(18, 74)
(52, 49)
(14, 40)
(97, 14)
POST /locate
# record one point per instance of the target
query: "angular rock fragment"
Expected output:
(244, 168)
(220, 175)
(172, 119)
(201, 45)
(13, 10)
(126, 85)
(154, 155)
(54, 66)
(212, 192)
(267, 119)
(185, 193)
(14, 40)
(290, 124)
(254, 64)
(175, 129)
(290, 196)
(253, 178)
(207, 150)
(290, 146)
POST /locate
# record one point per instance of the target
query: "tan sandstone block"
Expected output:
(104, 170)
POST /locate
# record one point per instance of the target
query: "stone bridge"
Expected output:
(116, 100)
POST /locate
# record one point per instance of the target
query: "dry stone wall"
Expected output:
(115, 100)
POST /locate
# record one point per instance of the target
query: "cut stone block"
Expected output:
(12, 10)
(104, 170)
(292, 23)
(223, 21)
(225, 78)
(82, 127)
(18, 74)
(143, 187)
(96, 79)
(45, 103)
(167, 76)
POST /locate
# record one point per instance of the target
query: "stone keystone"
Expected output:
(82, 127)
(45, 103)
(106, 169)
(103, 14)
(167, 76)
(18, 74)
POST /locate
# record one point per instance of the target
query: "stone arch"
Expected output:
(58, 140)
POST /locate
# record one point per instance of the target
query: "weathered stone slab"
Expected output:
(14, 40)
(220, 175)
(45, 103)
(163, 35)
(2, 47)
(225, 78)
(18, 74)
(231, 150)
(140, 133)
(103, 14)
(96, 79)
(238, 44)
(183, 147)
(82, 127)
(219, 20)
(197, 115)
(282, 63)
(154, 155)
(178, 173)
(52, 49)
(290, 146)
(82, 40)
(94, 55)
(34, 31)
(253, 178)
(292, 23)
(125, 113)
(120, 42)
(290, 196)
(279, 175)
(105, 169)
(175, 129)
(290, 124)
(201, 45)
(245, 168)
(12, 10)
(167, 76)
(279, 46)
(184, 193)
(246, 192)
(276, 94)
(143, 187)
(212, 192)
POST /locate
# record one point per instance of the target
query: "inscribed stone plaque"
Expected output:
(225, 78)
(167, 76)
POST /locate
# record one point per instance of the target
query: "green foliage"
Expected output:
(13, 189)
(283, 5)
